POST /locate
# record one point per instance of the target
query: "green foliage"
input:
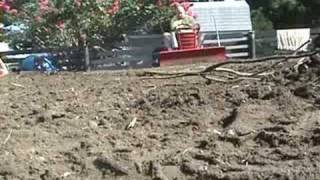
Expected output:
(65, 23)
(260, 21)
(285, 13)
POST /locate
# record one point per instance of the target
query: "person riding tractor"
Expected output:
(183, 20)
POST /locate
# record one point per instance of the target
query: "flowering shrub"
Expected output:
(65, 23)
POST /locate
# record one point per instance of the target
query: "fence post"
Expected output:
(87, 58)
(252, 44)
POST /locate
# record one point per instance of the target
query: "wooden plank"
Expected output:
(150, 36)
(266, 34)
(266, 39)
(108, 61)
(252, 45)
(87, 58)
(223, 36)
(243, 46)
(232, 33)
(12, 60)
(12, 66)
(225, 40)
(37, 51)
(235, 55)
(21, 56)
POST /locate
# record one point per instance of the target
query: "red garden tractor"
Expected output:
(189, 50)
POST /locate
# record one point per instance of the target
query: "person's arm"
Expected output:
(3, 69)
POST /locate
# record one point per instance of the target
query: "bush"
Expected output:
(66, 23)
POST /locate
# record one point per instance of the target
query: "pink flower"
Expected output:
(61, 25)
(115, 7)
(38, 19)
(159, 3)
(78, 3)
(44, 2)
(13, 11)
(6, 7)
(44, 6)
(186, 5)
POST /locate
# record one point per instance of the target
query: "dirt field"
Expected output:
(74, 126)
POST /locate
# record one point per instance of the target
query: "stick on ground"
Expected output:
(8, 137)
(132, 123)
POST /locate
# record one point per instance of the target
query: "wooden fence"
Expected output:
(136, 53)
(139, 50)
(238, 44)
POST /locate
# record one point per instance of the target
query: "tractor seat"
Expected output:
(187, 39)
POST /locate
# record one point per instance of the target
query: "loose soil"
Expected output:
(75, 126)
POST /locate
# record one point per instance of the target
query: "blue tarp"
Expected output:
(39, 63)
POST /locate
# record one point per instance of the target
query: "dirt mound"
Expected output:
(75, 126)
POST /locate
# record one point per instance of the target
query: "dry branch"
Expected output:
(286, 59)
(237, 79)
(245, 74)
(217, 68)
(258, 60)
(238, 76)
(186, 73)
(17, 85)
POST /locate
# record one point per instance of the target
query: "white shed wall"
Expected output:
(229, 15)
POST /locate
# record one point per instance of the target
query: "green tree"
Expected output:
(260, 21)
(286, 13)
